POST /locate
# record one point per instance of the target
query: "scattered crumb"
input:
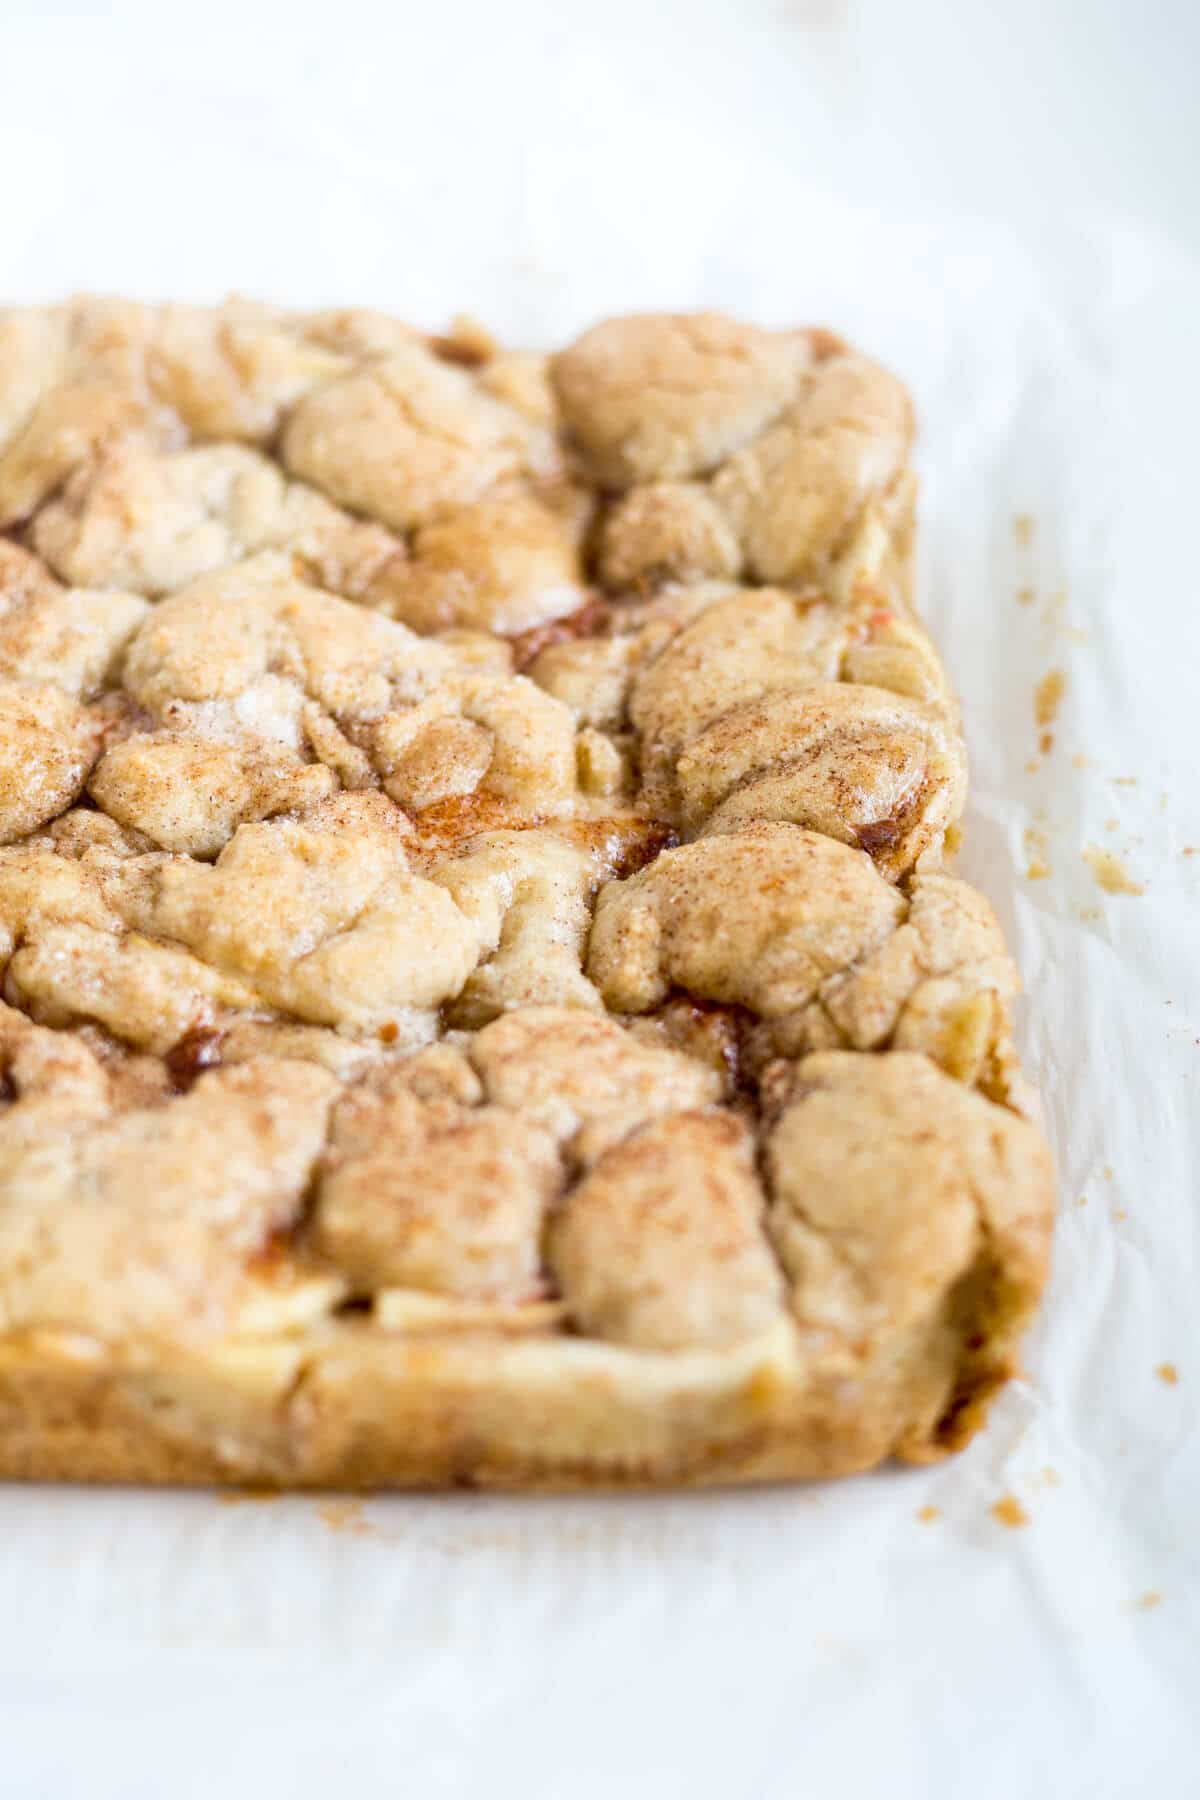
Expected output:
(1089, 914)
(1124, 780)
(1050, 1476)
(1009, 1511)
(1112, 824)
(1082, 1200)
(927, 1514)
(1169, 1373)
(1191, 849)
(1120, 1213)
(1080, 761)
(1025, 596)
(1108, 1171)
(345, 1516)
(1048, 696)
(1032, 765)
(1148, 1601)
(249, 1496)
(1023, 527)
(1053, 610)
(1037, 851)
(1110, 872)
(1046, 742)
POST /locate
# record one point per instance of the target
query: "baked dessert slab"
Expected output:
(485, 997)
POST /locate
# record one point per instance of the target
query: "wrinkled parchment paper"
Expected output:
(891, 1635)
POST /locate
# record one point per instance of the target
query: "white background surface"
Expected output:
(1002, 201)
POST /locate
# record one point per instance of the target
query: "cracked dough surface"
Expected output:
(484, 994)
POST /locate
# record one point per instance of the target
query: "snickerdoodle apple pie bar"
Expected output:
(484, 999)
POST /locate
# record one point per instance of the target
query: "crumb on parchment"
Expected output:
(1048, 696)
(1110, 872)
(1009, 1511)
(1037, 851)
(1168, 1372)
(346, 1517)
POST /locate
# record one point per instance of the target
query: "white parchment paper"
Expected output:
(776, 1644)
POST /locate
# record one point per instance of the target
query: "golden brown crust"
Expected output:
(483, 1001)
